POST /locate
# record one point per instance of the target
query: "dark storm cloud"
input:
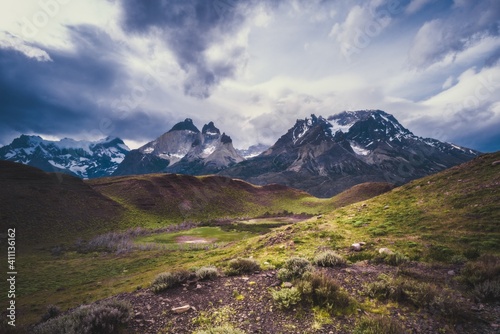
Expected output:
(189, 28)
(61, 97)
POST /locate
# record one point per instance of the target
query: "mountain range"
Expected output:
(85, 159)
(322, 156)
(326, 156)
(183, 149)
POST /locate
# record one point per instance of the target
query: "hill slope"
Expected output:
(441, 217)
(46, 207)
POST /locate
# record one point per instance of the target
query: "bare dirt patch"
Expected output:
(187, 239)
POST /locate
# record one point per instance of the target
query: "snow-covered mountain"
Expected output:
(327, 156)
(252, 151)
(85, 159)
(183, 149)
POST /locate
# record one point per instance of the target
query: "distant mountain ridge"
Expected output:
(85, 159)
(323, 156)
(183, 149)
(326, 156)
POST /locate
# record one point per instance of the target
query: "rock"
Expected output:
(494, 163)
(362, 243)
(386, 207)
(384, 250)
(451, 272)
(198, 286)
(356, 247)
(287, 285)
(181, 309)
(319, 217)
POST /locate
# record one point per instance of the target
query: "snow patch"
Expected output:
(358, 149)
(339, 127)
(207, 151)
(148, 150)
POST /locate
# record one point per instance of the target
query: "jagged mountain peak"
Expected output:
(210, 129)
(225, 139)
(305, 126)
(326, 156)
(187, 124)
(81, 158)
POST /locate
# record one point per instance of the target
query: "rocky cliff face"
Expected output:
(327, 156)
(185, 150)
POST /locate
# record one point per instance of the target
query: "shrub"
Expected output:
(294, 268)
(241, 265)
(394, 259)
(324, 291)
(488, 290)
(329, 259)
(52, 312)
(419, 294)
(482, 277)
(286, 298)
(169, 280)
(378, 325)
(225, 329)
(209, 272)
(107, 317)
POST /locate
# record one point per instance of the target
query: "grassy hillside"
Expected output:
(51, 207)
(55, 210)
(450, 216)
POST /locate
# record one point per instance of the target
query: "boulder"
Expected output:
(384, 250)
(356, 247)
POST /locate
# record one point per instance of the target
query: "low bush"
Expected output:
(294, 268)
(421, 295)
(240, 266)
(482, 277)
(107, 317)
(322, 290)
(286, 298)
(169, 280)
(205, 273)
(393, 259)
(329, 259)
(225, 329)
(378, 325)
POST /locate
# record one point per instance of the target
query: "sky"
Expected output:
(133, 68)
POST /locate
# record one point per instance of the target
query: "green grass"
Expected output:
(437, 218)
(210, 234)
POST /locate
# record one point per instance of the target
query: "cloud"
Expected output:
(417, 5)
(9, 41)
(191, 28)
(446, 36)
(362, 25)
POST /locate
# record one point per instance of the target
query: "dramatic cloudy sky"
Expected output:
(133, 68)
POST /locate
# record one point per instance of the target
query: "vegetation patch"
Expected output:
(107, 317)
(436, 299)
(329, 258)
(482, 278)
(286, 298)
(378, 325)
(322, 290)
(294, 268)
(169, 280)
(240, 266)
